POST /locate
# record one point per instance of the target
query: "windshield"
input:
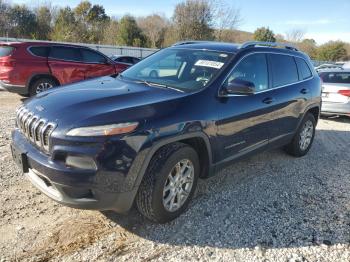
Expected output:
(183, 69)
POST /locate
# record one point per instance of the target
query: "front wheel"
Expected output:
(169, 183)
(304, 137)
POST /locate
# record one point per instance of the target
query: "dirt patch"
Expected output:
(69, 236)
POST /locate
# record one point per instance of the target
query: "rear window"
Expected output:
(6, 50)
(65, 53)
(304, 70)
(284, 70)
(42, 51)
(336, 78)
(90, 56)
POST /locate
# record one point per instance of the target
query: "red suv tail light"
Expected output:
(8, 63)
(344, 92)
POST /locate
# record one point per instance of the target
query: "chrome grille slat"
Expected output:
(37, 130)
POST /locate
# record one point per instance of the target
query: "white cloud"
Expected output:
(310, 22)
(324, 37)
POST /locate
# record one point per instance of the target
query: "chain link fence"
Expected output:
(108, 50)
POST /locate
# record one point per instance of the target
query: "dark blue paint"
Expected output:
(230, 127)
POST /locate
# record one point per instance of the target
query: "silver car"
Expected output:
(335, 91)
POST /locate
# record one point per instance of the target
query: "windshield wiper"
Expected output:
(159, 85)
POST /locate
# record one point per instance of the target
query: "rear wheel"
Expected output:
(304, 137)
(169, 183)
(41, 85)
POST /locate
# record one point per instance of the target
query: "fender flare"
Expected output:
(167, 141)
(307, 109)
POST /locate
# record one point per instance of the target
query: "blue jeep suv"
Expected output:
(147, 138)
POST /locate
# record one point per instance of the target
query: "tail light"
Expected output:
(344, 92)
(8, 63)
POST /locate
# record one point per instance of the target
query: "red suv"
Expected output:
(28, 68)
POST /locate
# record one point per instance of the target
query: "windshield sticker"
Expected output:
(209, 63)
(223, 55)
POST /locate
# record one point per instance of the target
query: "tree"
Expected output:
(4, 9)
(193, 20)
(332, 51)
(309, 47)
(153, 26)
(295, 35)
(129, 33)
(43, 20)
(65, 28)
(21, 22)
(264, 34)
(227, 18)
(110, 34)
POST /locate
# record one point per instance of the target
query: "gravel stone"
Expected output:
(269, 207)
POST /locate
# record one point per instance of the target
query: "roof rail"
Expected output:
(268, 44)
(189, 42)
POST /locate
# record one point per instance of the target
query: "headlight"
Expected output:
(107, 130)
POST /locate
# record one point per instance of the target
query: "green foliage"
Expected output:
(65, 28)
(129, 34)
(193, 19)
(264, 34)
(308, 46)
(22, 22)
(43, 20)
(332, 51)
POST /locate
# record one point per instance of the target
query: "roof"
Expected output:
(234, 48)
(209, 45)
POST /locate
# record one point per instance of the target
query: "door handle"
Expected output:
(304, 91)
(268, 100)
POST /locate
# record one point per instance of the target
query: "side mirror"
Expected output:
(239, 87)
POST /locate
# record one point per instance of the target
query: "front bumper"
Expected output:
(335, 108)
(19, 89)
(84, 189)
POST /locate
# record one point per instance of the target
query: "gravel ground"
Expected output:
(270, 207)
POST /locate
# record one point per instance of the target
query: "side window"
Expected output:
(65, 53)
(253, 68)
(303, 68)
(284, 70)
(90, 56)
(42, 51)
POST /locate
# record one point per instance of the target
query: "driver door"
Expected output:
(244, 120)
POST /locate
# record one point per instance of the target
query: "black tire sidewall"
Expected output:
(157, 198)
(32, 89)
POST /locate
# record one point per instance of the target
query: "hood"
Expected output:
(101, 101)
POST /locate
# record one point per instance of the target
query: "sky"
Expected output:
(322, 20)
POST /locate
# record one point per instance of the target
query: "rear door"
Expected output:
(96, 64)
(335, 87)
(66, 64)
(290, 95)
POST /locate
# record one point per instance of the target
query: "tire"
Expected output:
(151, 199)
(295, 147)
(41, 85)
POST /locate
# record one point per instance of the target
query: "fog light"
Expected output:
(82, 162)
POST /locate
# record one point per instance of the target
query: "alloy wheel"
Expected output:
(306, 135)
(178, 185)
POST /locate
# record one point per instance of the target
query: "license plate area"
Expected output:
(20, 159)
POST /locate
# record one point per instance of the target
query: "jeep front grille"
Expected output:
(37, 130)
